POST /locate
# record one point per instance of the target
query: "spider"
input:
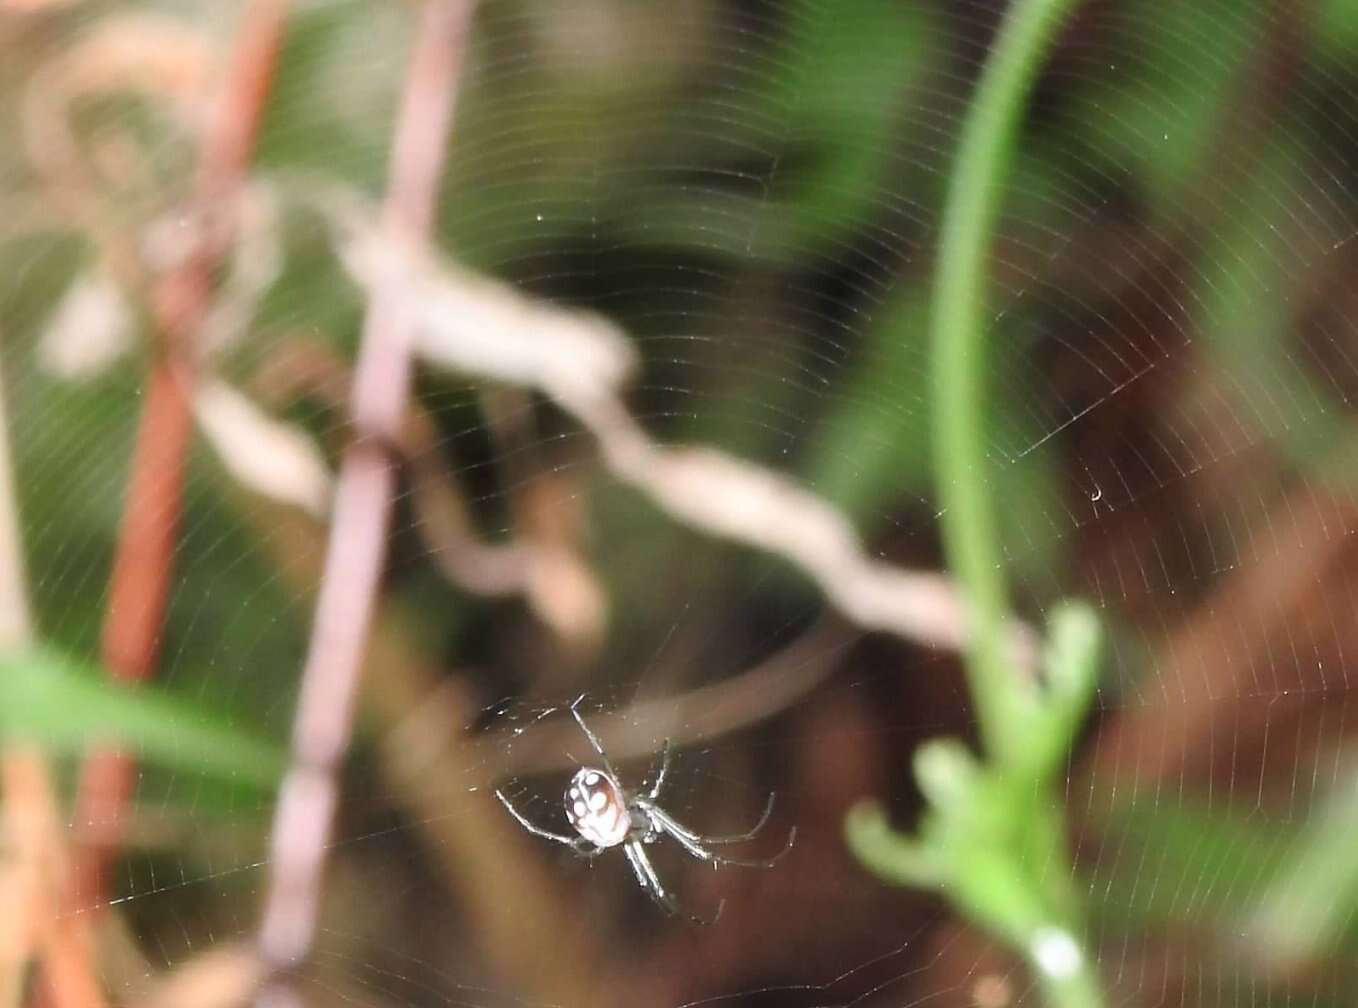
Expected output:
(606, 814)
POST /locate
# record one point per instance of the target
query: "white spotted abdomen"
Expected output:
(596, 809)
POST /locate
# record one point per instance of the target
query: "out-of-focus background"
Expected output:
(720, 219)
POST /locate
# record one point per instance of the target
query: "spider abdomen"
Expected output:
(596, 808)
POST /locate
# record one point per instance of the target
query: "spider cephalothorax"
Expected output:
(606, 814)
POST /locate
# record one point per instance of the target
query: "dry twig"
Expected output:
(543, 562)
(34, 862)
(144, 561)
(491, 868)
(363, 501)
(221, 977)
(581, 361)
(31, 890)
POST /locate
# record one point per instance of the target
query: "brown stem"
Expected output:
(137, 598)
(363, 498)
(139, 587)
(34, 864)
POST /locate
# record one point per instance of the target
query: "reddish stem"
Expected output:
(144, 561)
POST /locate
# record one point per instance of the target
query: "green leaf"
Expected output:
(948, 774)
(872, 449)
(1246, 314)
(832, 106)
(1334, 26)
(61, 704)
(1070, 666)
(1309, 903)
(1154, 113)
(847, 72)
(1181, 861)
(890, 856)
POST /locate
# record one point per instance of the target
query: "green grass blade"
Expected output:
(63, 705)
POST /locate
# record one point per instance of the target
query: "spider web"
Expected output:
(752, 192)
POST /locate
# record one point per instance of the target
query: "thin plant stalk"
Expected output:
(960, 321)
(1003, 699)
(15, 635)
(35, 859)
(365, 490)
(139, 586)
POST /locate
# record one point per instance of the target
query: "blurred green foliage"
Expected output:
(754, 194)
(54, 702)
(991, 838)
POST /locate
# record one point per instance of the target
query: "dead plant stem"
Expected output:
(144, 559)
(356, 548)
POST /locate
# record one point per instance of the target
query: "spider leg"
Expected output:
(710, 841)
(572, 842)
(695, 844)
(749, 834)
(654, 790)
(593, 739)
(650, 881)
